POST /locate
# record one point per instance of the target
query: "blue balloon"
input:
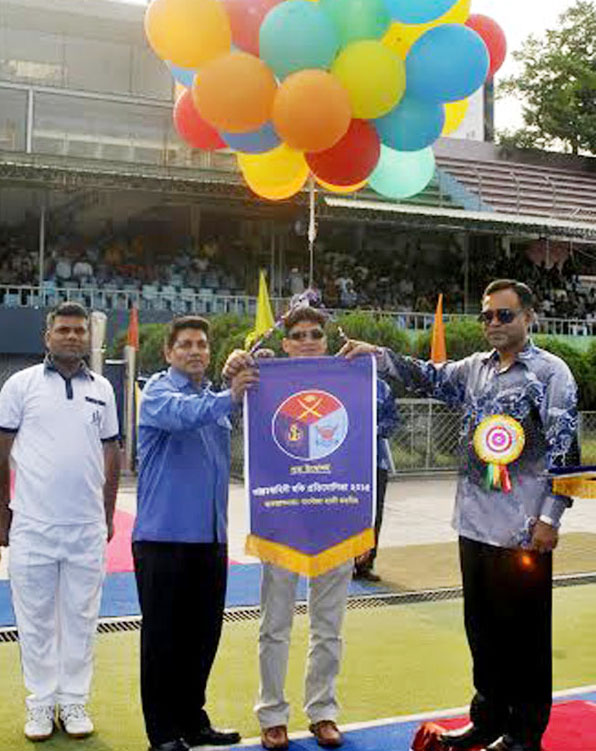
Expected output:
(448, 63)
(402, 174)
(418, 11)
(412, 125)
(185, 76)
(295, 35)
(256, 142)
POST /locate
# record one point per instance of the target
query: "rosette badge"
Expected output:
(498, 441)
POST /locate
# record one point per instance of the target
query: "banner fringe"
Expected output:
(580, 487)
(310, 565)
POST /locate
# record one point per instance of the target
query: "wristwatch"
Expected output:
(547, 520)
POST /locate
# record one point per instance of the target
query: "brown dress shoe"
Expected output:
(275, 738)
(327, 733)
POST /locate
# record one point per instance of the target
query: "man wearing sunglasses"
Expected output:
(505, 538)
(305, 336)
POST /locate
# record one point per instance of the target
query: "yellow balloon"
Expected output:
(401, 36)
(188, 33)
(277, 174)
(373, 75)
(455, 113)
(340, 188)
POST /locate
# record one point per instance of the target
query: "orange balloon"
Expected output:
(340, 188)
(235, 92)
(188, 32)
(312, 110)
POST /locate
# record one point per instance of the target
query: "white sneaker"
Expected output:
(75, 721)
(40, 722)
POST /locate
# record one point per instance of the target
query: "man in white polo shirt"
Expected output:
(59, 426)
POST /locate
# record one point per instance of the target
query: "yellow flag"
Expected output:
(264, 318)
(438, 350)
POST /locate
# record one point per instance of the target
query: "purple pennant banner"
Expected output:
(310, 446)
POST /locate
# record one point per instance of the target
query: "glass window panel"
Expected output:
(150, 76)
(13, 120)
(94, 65)
(101, 129)
(31, 57)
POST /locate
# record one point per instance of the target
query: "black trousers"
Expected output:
(507, 612)
(182, 589)
(382, 475)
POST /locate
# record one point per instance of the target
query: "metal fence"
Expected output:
(208, 301)
(427, 438)
(10, 364)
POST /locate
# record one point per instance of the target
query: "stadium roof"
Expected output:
(476, 187)
(524, 192)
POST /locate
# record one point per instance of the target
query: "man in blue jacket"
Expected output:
(180, 537)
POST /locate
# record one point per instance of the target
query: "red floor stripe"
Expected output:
(572, 727)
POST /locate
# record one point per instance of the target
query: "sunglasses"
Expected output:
(300, 336)
(503, 315)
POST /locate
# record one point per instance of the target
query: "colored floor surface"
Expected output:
(119, 596)
(572, 725)
(398, 660)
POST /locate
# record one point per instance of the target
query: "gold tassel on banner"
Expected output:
(310, 565)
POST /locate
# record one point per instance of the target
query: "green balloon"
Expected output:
(358, 19)
(402, 174)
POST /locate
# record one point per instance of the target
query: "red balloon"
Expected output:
(192, 128)
(246, 17)
(494, 38)
(351, 159)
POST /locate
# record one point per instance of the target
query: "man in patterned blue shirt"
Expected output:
(506, 538)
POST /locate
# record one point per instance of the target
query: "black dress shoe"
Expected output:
(507, 743)
(366, 574)
(468, 737)
(212, 737)
(177, 745)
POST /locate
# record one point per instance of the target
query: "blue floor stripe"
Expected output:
(393, 736)
(119, 596)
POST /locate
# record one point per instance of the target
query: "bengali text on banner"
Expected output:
(310, 454)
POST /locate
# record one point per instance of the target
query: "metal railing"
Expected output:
(108, 298)
(198, 301)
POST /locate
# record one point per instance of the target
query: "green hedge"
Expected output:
(463, 337)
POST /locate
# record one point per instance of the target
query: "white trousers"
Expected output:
(327, 595)
(56, 573)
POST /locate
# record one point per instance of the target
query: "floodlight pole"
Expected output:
(42, 245)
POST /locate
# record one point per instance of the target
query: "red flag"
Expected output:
(133, 329)
(438, 349)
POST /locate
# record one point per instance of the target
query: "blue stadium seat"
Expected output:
(12, 300)
(179, 306)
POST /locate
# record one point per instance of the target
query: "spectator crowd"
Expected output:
(401, 279)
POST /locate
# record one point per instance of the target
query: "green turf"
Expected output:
(398, 660)
(414, 567)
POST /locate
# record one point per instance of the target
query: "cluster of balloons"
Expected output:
(352, 91)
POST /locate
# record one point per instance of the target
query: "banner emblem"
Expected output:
(310, 425)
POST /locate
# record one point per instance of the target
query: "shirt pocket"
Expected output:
(94, 410)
